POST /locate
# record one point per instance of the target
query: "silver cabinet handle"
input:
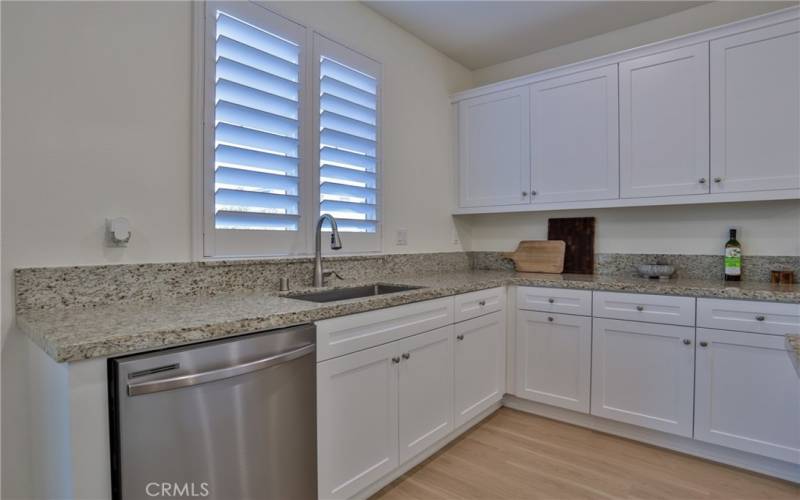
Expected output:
(396, 359)
(702, 180)
(760, 318)
(703, 343)
(687, 342)
(717, 179)
(459, 337)
(191, 379)
(551, 300)
(640, 308)
(406, 355)
(550, 319)
(481, 303)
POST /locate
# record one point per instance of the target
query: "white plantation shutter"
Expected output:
(254, 132)
(256, 128)
(349, 187)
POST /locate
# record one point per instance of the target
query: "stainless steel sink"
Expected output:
(354, 292)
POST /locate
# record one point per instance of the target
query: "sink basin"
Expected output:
(354, 292)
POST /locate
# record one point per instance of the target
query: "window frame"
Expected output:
(210, 243)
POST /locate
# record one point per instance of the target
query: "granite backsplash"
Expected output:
(90, 286)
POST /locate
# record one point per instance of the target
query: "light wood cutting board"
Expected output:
(539, 256)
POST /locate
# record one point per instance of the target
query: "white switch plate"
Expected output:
(402, 237)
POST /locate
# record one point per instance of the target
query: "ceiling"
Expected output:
(482, 33)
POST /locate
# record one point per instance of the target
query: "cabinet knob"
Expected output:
(481, 303)
(551, 300)
(396, 359)
(550, 319)
(717, 179)
(459, 337)
(533, 193)
(524, 193)
(702, 180)
(640, 308)
(406, 355)
(687, 342)
(703, 344)
(760, 318)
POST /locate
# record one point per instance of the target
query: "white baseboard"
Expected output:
(407, 466)
(727, 456)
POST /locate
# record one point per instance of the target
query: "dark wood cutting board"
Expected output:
(578, 233)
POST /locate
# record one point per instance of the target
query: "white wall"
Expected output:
(771, 228)
(768, 228)
(96, 101)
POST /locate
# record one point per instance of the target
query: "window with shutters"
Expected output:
(348, 111)
(290, 132)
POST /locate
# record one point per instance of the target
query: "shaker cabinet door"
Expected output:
(574, 137)
(664, 123)
(494, 149)
(755, 110)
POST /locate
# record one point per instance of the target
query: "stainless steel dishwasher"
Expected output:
(233, 419)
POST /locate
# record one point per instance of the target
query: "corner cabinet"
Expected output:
(494, 149)
(574, 135)
(710, 117)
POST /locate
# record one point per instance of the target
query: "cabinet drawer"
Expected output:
(474, 304)
(339, 336)
(557, 300)
(641, 307)
(748, 316)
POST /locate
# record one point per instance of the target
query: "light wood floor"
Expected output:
(514, 455)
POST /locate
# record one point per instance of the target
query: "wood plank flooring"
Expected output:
(513, 455)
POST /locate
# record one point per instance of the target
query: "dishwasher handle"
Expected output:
(191, 379)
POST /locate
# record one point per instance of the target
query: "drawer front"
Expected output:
(556, 300)
(748, 316)
(340, 336)
(474, 304)
(642, 307)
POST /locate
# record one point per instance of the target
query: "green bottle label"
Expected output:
(733, 261)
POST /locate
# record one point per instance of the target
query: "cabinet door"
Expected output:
(574, 137)
(643, 374)
(494, 149)
(554, 357)
(480, 355)
(425, 390)
(755, 110)
(356, 420)
(664, 123)
(747, 394)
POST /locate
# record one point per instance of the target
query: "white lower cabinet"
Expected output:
(643, 374)
(379, 407)
(356, 420)
(480, 355)
(425, 390)
(553, 359)
(747, 394)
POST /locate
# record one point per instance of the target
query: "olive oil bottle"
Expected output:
(733, 258)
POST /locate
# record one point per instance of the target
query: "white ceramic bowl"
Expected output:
(661, 271)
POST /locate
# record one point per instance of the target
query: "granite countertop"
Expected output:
(793, 346)
(77, 333)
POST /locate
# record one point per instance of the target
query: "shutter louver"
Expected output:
(348, 147)
(256, 128)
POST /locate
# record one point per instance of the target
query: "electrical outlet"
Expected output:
(402, 237)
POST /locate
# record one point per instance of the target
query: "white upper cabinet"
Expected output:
(574, 137)
(664, 123)
(755, 110)
(494, 149)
